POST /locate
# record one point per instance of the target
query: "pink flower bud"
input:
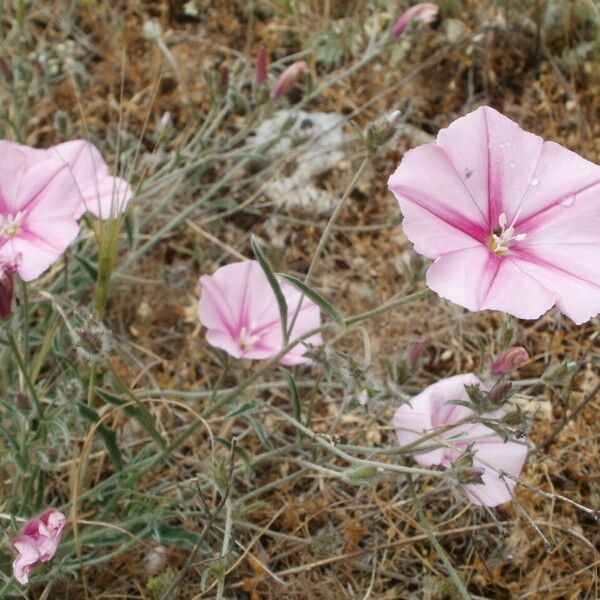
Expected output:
(37, 543)
(422, 13)
(7, 288)
(415, 353)
(509, 361)
(223, 79)
(260, 75)
(288, 78)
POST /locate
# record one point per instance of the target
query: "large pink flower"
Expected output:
(239, 309)
(43, 193)
(37, 543)
(510, 220)
(432, 408)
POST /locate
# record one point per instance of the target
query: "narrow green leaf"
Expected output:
(109, 436)
(326, 306)
(89, 268)
(295, 395)
(137, 412)
(246, 408)
(274, 283)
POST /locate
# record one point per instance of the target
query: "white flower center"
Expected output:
(503, 237)
(10, 225)
(247, 339)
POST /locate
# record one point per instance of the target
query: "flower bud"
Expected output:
(288, 78)
(92, 342)
(7, 289)
(260, 74)
(509, 361)
(22, 401)
(499, 393)
(382, 130)
(422, 13)
(472, 475)
(514, 418)
(223, 79)
(415, 353)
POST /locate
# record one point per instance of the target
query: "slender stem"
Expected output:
(420, 295)
(325, 236)
(456, 578)
(23, 370)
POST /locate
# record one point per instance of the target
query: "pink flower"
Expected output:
(99, 192)
(509, 361)
(432, 408)
(423, 13)
(510, 220)
(288, 78)
(43, 193)
(37, 543)
(240, 311)
(260, 75)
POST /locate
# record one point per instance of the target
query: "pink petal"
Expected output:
(427, 179)
(32, 254)
(99, 192)
(498, 156)
(431, 409)
(508, 457)
(27, 558)
(571, 271)
(558, 175)
(25, 174)
(477, 279)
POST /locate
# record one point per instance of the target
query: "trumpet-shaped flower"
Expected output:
(42, 193)
(511, 221)
(240, 311)
(37, 543)
(433, 408)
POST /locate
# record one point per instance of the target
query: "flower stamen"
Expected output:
(502, 238)
(10, 225)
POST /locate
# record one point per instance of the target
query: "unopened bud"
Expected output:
(415, 353)
(92, 342)
(71, 390)
(7, 289)
(382, 130)
(499, 393)
(288, 78)
(422, 13)
(223, 79)
(475, 394)
(473, 475)
(22, 401)
(260, 74)
(464, 460)
(514, 418)
(510, 360)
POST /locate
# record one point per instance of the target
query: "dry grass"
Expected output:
(312, 535)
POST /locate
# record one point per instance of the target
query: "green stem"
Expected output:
(456, 578)
(23, 370)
